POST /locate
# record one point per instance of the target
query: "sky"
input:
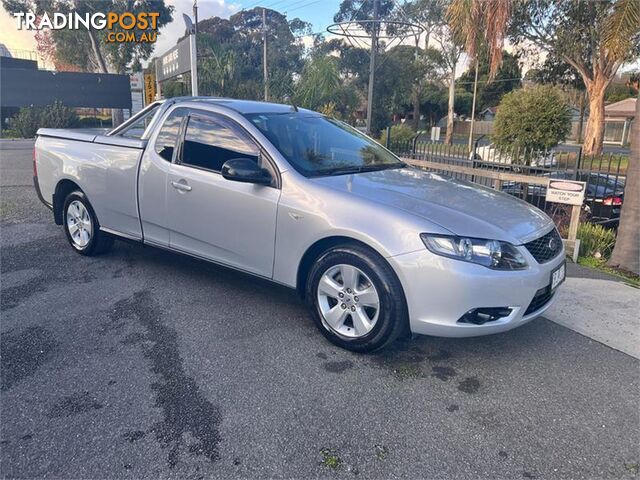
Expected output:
(317, 12)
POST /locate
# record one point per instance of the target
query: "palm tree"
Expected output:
(622, 24)
(479, 24)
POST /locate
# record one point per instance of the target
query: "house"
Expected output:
(488, 114)
(618, 118)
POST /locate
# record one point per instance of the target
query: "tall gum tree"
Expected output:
(595, 38)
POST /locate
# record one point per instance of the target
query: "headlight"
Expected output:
(490, 253)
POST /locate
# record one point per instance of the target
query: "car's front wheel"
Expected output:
(356, 299)
(81, 226)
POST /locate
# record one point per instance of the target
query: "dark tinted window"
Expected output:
(168, 135)
(209, 144)
(316, 145)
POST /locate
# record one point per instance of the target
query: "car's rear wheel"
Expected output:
(81, 226)
(356, 299)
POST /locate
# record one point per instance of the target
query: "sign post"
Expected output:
(569, 192)
(192, 54)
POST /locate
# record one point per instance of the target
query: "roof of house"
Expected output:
(623, 108)
(490, 110)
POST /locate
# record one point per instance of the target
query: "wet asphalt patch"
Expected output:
(191, 422)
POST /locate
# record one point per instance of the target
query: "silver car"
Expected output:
(375, 247)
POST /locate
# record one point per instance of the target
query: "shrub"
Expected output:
(400, 134)
(534, 118)
(58, 116)
(29, 119)
(26, 123)
(595, 241)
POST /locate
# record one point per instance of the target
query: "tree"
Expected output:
(232, 54)
(489, 93)
(595, 38)
(88, 49)
(429, 14)
(451, 50)
(556, 71)
(626, 253)
(321, 88)
(533, 118)
(481, 24)
(478, 25)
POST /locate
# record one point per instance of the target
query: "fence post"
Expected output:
(387, 141)
(578, 163)
(414, 143)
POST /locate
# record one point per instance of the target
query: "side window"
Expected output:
(209, 144)
(168, 135)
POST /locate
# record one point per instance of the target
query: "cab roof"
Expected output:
(243, 106)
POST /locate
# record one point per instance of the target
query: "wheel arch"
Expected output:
(318, 248)
(63, 188)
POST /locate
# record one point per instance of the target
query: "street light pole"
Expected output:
(194, 57)
(372, 65)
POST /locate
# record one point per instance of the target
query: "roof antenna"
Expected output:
(287, 99)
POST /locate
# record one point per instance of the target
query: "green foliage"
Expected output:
(402, 134)
(490, 93)
(230, 54)
(617, 92)
(25, 123)
(596, 241)
(29, 119)
(533, 118)
(57, 115)
(321, 88)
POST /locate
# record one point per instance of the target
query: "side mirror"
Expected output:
(245, 170)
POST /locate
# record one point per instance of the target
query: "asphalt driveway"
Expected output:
(145, 364)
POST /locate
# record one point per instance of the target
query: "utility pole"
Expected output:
(372, 65)
(264, 55)
(473, 108)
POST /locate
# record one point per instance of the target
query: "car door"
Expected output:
(152, 180)
(209, 216)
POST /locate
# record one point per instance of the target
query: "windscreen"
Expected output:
(316, 145)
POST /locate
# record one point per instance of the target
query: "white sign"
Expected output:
(435, 134)
(136, 80)
(569, 192)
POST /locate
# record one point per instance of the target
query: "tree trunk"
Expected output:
(452, 94)
(581, 120)
(626, 253)
(594, 134)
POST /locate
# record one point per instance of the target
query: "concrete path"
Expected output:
(601, 307)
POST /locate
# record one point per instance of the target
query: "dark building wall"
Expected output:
(22, 87)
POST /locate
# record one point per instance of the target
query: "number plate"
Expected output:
(557, 276)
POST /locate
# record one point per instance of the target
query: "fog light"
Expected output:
(480, 316)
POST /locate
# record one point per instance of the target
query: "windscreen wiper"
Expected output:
(361, 169)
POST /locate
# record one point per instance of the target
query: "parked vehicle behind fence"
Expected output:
(376, 248)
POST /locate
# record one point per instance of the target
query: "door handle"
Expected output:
(183, 187)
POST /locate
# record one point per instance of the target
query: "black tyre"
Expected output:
(81, 226)
(356, 299)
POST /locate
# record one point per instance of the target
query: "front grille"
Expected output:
(542, 297)
(546, 247)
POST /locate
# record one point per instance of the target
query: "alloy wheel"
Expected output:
(348, 301)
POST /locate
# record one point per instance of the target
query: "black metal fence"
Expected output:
(604, 174)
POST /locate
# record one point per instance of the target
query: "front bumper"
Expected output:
(440, 290)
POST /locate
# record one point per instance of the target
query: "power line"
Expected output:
(302, 6)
